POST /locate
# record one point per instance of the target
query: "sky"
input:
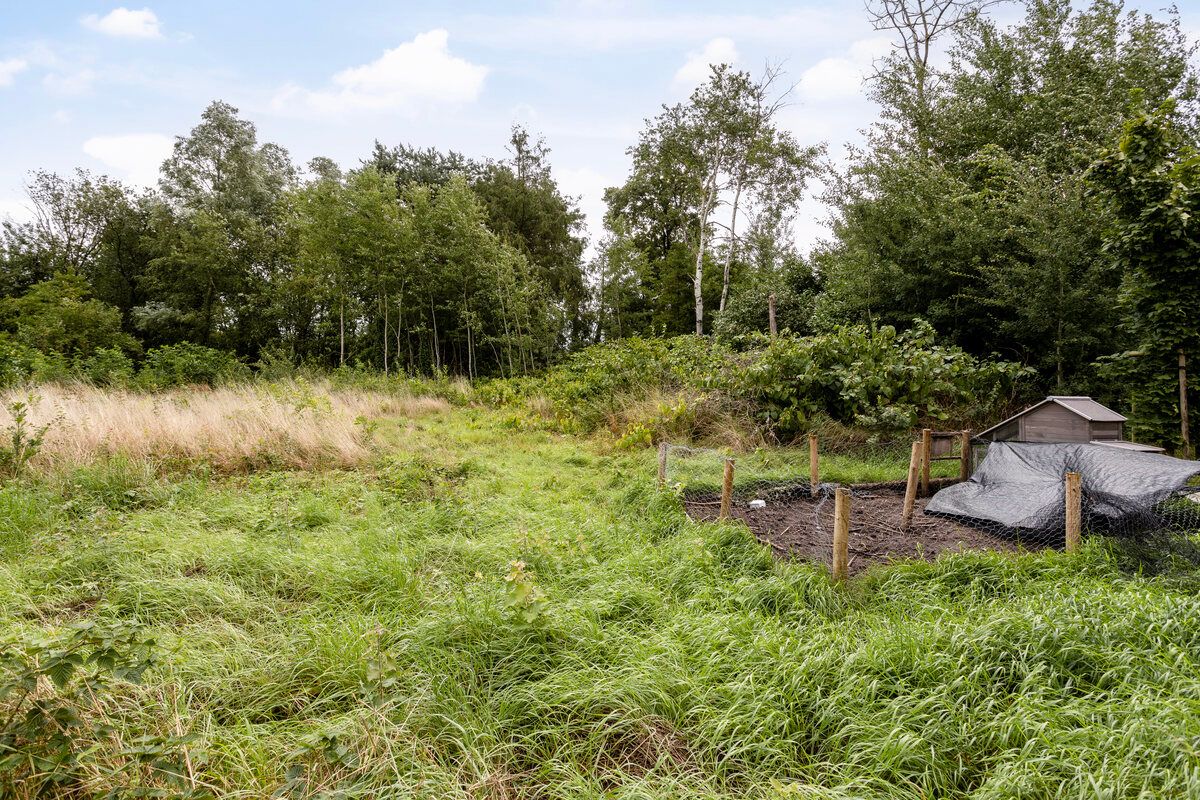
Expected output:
(106, 86)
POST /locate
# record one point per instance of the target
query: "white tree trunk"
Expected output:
(698, 285)
(698, 280)
(737, 196)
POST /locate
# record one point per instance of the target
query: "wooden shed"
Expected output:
(1066, 419)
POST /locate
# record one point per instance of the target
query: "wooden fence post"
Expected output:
(910, 490)
(927, 453)
(1183, 405)
(964, 463)
(727, 489)
(841, 534)
(662, 464)
(1074, 500)
(771, 313)
(814, 470)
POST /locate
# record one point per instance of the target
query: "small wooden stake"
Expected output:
(771, 313)
(910, 490)
(727, 489)
(927, 448)
(841, 534)
(814, 468)
(662, 465)
(1183, 405)
(1074, 500)
(964, 464)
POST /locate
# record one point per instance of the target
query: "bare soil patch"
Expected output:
(797, 526)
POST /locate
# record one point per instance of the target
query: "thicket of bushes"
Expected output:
(876, 378)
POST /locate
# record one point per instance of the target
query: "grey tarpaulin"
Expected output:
(1019, 485)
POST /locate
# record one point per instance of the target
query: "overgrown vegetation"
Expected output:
(874, 379)
(489, 612)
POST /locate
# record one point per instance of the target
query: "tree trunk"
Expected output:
(698, 286)
(710, 200)
(737, 196)
(342, 332)
(385, 335)
(437, 349)
(1183, 405)
(208, 313)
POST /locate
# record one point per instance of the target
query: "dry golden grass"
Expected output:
(235, 429)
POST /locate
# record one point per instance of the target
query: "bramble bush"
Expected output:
(876, 378)
(54, 733)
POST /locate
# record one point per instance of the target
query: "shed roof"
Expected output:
(1134, 446)
(1085, 407)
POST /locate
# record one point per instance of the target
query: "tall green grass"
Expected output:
(350, 634)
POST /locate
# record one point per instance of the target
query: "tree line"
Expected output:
(414, 261)
(1022, 193)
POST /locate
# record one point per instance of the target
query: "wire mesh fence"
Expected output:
(902, 504)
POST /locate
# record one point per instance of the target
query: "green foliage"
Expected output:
(51, 686)
(187, 364)
(1152, 182)
(16, 361)
(108, 366)
(23, 440)
(591, 384)
(657, 268)
(969, 208)
(876, 378)
(525, 598)
(772, 268)
(56, 317)
(526, 210)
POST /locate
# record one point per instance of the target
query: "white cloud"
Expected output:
(696, 69)
(842, 77)
(77, 82)
(9, 68)
(134, 157)
(415, 74)
(126, 23)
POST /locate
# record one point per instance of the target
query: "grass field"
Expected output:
(364, 631)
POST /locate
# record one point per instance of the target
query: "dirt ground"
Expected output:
(796, 526)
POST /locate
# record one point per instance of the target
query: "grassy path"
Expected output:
(355, 633)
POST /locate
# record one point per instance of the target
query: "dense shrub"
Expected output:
(58, 318)
(186, 364)
(876, 378)
(15, 361)
(108, 366)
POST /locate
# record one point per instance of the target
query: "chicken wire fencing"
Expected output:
(1003, 496)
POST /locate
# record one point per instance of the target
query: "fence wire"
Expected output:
(773, 494)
